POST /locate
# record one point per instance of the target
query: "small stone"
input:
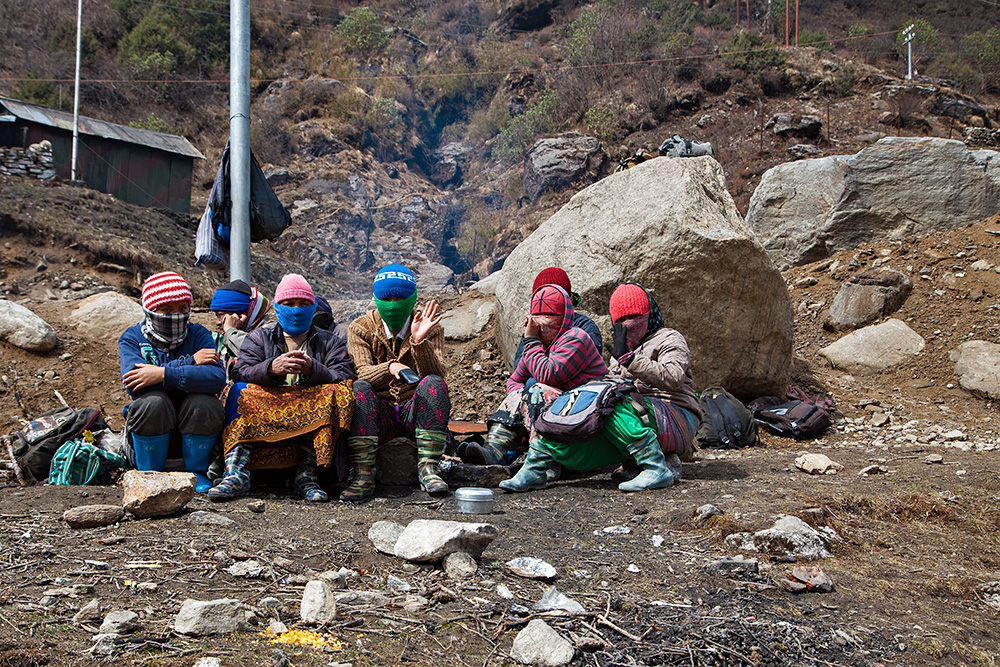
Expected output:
(96, 564)
(617, 530)
(203, 518)
(658, 541)
(318, 604)
(705, 512)
(817, 464)
(954, 434)
(200, 618)
(270, 603)
(256, 506)
(504, 592)
(106, 644)
(277, 628)
(246, 569)
(531, 568)
(394, 583)
(538, 644)
(93, 516)
(933, 458)
(734, 567)
(148, 586)
(149, 494)
(553, 599)
(633, 568)
(333, 577)
(460, 565)
(120, 622)
(89, 612)
(431, 540)
(384, 535)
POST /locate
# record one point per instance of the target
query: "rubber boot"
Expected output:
(236, 481)
(430, 445)
(361, 450)
(306, 481)
(499, 439)
(655, 473)
(197, 451)
(674, 463)
(150, 451)
(532, 474)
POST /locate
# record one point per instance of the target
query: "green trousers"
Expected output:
(609, 448)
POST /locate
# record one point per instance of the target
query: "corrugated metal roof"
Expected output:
(37, 113)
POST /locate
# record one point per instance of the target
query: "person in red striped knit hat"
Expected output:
(171, 368)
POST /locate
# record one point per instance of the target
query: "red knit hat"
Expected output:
(166, 287)
(552, 276)
(548, 300)
(628, 299)
(294, 286)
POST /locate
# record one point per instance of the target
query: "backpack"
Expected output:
(78, 463)
(32, 448)
(799, 418)
(577, 415)
(728, 424)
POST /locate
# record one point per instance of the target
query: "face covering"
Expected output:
(394, 313)
(294, 320)
(165, 332)
(636, 330)
(549, 326)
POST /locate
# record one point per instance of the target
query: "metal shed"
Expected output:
(138, 166)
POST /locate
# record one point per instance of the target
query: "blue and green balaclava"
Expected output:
(395, 282)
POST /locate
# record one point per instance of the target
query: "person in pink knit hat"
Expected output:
(291, 398)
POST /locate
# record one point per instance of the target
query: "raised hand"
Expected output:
(424, 321)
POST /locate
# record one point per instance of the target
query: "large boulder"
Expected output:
(22, 328)
(100, 313)
(977, 364)
(794, 125)
(900, 186)
(866, 297)
(557, 162)
(874, 348)
(671, 226)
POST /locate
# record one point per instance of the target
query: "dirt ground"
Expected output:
(916, 542)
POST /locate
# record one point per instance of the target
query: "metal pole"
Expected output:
(239, 137)
(796, 22)
(737, 13)
(76, 91)
(748, 14)
(909, 60)
(786, 24)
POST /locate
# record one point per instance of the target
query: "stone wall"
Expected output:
(33, 162)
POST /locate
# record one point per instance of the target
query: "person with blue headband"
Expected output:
(399, 353)
(291, 398)
(239, 309)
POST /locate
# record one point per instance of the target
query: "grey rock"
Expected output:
(794, 125)
(203, 518)
(434, 278)
(318, 603)
(553, 599)
(120, 622)
(989, 593)
(368, 599)
(384, 535)
(394, 583)
(558, 162)
(538, 644)
(450, 163)
(801, 151)
(100, 313)
(431, 540)
(468, 320)
(730, 567)
(901, 186)
(270, 603)
(460, 565)
(977, 365)
(201, 618)
(22, 328)
(487, 285)
(257, 506)
(396, 462)
(93, 516)
(873, 469)
(276, 177)
(675, 213)
(531, 568)
(246, 569)
(333, 577)
(458, 474)
(705, 512)
(866, 297)
(277, 628)
(106, 644)
(789, 536)
(875, 347)
(89, 612)
(149, 494)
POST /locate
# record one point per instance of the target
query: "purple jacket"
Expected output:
(331, 363)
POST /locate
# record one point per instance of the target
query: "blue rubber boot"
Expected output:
(197, 450)
(150, 451)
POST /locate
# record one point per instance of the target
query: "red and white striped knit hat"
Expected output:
(166, 287)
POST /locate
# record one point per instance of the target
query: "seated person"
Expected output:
(657, 359)
(239, 309)
(556, 356)
(291, 399)
(399, 353)
(172, 371)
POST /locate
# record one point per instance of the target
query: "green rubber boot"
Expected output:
(655, 473)
(532, 474)
(361, 450)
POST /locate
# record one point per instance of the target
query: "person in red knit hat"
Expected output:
(657, 360)
(172, 371)
(509, 425)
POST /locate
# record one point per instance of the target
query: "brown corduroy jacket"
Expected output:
(369, 347)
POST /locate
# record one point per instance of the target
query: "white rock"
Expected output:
(89, 612)
(100, 313)
(396, 584)
(504, 592)
(977, 363)
(874, 348)
(120, 622)
(318, 603)
(460, 565)
(148, 494)
(277, 628)
(106, 644)
(22, 328)
(431, 540)
(817, 464)
(538, 644)
(791, 536)
(531, 568)
(383, 536)
(468, 320)
(203, 518)
(201, 618)
(553, 599)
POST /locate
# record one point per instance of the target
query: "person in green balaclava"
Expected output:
(399, 354)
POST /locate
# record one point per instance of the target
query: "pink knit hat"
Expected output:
(294, 286)
(628, 299)
(166, 287)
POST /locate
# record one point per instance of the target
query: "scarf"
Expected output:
(394, 313)
(636, 330)
(294, 320)
(165, 332)
(258, 309)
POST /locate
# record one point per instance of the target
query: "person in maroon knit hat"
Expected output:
(507, 428)
(657, 360)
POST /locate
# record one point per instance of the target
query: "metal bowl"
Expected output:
(474, 500)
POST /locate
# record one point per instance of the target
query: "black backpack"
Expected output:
(727, 424)
(32, 448)
(799, 418)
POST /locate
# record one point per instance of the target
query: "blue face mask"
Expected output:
(294, 320)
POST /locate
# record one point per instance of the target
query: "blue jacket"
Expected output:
(181, 373)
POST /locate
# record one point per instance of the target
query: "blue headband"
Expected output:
(230, 301)
(394, 280)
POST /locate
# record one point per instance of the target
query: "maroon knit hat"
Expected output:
(628, 299)
(552, 276)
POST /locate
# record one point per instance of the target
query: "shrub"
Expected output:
(982, 49)
(600, 122)
(38, 88)
(751, 52)
(362, 30)
(845, 80)
(152, 122)
(519, 132)
(63, 38)
(152, 50)
(815, 38)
